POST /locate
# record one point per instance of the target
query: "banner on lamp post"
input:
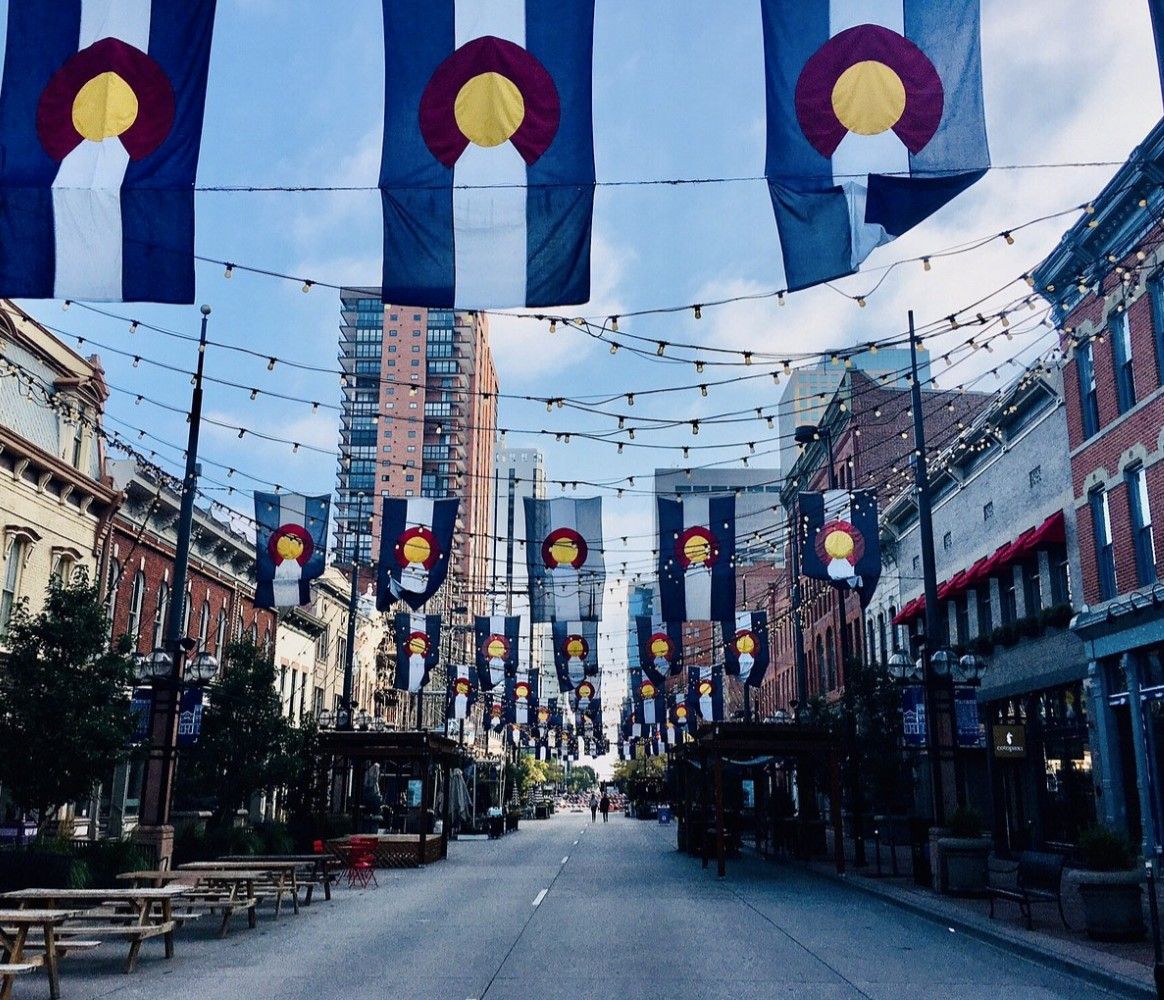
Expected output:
(913, 715)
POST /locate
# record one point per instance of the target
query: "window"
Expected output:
(1088, 401)
(161, 615)
(111, 595)
(204, 625)
(988, 510)
(893, 637)
(1141, 511)
(1121, 350)
(1101, 530)
(985, 610)
(1156, 290)
(1035, 476)
(1008, 596)
(947, 541)
(1060, 577)
(831, 658)
(136, 597)
(916, 564)
(1032, 587)
(322, 642)
(13, 565)
(822, 679)
(962, 618)
(220, 639)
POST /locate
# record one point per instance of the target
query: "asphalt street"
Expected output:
(571, 910)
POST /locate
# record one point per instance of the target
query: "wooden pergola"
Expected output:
(403, 749)
(753, 744)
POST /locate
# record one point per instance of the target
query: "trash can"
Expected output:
(664, 815)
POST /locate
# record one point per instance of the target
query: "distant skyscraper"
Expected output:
(517, 473)
(419, 419)
(807, 391)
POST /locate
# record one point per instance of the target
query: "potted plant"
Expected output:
(962, 854)
(1109, 886)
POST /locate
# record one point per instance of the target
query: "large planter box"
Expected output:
(962, 865)
(1112, 904)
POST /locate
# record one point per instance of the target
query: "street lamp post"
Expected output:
(345, 718)
(158, 786)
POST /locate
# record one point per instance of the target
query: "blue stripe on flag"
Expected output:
(722, 515)
(672, 598)
(39, 41)
(416, 189)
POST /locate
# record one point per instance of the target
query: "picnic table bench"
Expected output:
(279, 877)
(14, 929)
(136, 914)
(208, 891)
(1039, 879)
(312, 869)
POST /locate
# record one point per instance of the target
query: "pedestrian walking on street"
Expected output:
(604, 805)
(593, 808)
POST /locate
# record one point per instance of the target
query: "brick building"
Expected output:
(1105, 282)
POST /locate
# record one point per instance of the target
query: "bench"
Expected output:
(1039, 880)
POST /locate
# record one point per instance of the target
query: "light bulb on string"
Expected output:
(630, 399)
(613, 347)
(254, 393)
(614, 324)
(703, 391)
(699, 312)
(662, 347)
(229, 272)
(307, 286)
(699, 367)
(133, 326)
(926, 264)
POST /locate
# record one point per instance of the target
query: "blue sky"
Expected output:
(295, 98)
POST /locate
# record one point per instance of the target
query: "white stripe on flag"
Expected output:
(565, 585)
(285, 586)
(418, 513)
(87, 189)
(489, 187)
(697, 578)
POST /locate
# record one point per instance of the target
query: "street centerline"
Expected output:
(539, 897)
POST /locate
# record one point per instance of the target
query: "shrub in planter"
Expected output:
(1029, 627)
(1109, 886)
(1005, 635)
(983, 645)
(1058, 616)
(41, 867)
(965, 822)
(963, 853)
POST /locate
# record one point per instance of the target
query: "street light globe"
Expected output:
(203, 668)
(900, 665)
(326, 718)
(157, 666)
(942, 662)
(970, 668)
(363, 719)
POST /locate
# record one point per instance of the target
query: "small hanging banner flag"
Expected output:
(101, 109)
(418, 640)
(462, 693)
(495, 712)
(680, 715)
(745, 641)
(521, 698)
(649, 699)
(875, 121)
(575, 652)
(704, 694)
(487, 174)
(290, 547)
(496, 638)
(415, 542)
(660, 647)
(564, 558)
(697, 558)
(840, 543)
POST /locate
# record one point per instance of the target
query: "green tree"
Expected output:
(630, 775)
(246, 745)
(65, 719)
(582, 779)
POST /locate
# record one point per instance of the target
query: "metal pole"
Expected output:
(936, 707)
(747, 691)
(353, 604)
(165, 727)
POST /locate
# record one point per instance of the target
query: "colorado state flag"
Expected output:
(487, 176)
(100, 126)
(416, 538)
(875, 121)
(841, 544)
(418, 643)
(745, 640)
(290, 547)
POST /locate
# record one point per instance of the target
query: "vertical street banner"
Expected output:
(290, 547)
(575, 652)
(416, 541)
(913, 715)
(496, 639)
(418, 642)
(189, 717)
(650, 700)
(697, 558)
(521, 698)
(745, 644)
(680, 715)
(966, 722)
(462, 691)
(704, 694)
(875, 121)
(585, 697)
(495, 712)
(841, 544)
(564, 559)
(101, 108)
(487, 175)
(660, 647)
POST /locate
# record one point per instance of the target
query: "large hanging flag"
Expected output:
(660, 647)
(649, 699)
(462, 693)
(290, 547)
(840, 543)
(487, 174)
(521, 698)
(875, 121)
(418, 640)
(704, 695)
(697, 558)
(496, 638)
(101, 109)
(564, 557)
(415, 542)
(683, 717)
(745, 641)
(575, 652)
(586, 697)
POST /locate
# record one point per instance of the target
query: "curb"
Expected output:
(1057, 959)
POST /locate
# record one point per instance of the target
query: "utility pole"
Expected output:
(347, 721)
(939, 708)
(158, 787)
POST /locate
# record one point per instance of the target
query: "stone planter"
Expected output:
(961, 869)
(1112, 907)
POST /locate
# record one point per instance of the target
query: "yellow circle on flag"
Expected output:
(489, 109)
(417, 549)
(869, 98)
(839, 545)
(659, 647)
(289, 547)
(496, 648)
(745, 644)
(575, 647)
(564, 551)
(697, 549)
(105, 107)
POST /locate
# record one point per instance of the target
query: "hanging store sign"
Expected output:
(1010, 742)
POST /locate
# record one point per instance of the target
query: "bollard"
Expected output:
(877, 848)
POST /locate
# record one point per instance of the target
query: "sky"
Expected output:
(296, 99)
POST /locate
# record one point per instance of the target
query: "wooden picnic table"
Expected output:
(226, 889)
(136, 914)
(14, 928)
(283, 876)
(321, 866)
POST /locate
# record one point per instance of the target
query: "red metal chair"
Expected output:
(361, 862)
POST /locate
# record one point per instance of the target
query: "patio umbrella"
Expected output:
(458, 795)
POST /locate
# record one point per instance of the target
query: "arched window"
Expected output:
(255, 632)
(204, 625)
(18, 550)
(161, 616)
(822, 678)
(220, 641)
(186, 607)
(136, 597)
(267, 641)
(893, 628)
(831, 658)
